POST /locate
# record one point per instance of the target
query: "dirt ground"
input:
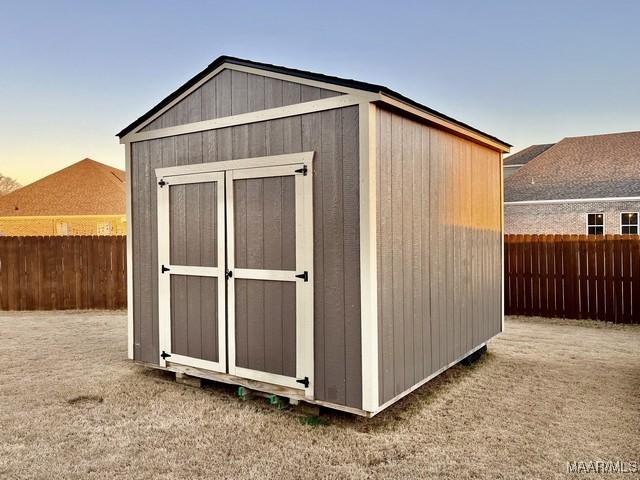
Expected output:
(546, 393)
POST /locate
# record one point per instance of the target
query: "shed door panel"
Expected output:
(266, 326)
(194, 306)
(191, 223)
(265, 239)
(271, 321)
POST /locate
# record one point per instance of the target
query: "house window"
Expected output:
(595, 223)
(629, 223)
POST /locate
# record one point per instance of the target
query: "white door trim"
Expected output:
(255, 274)
(304, 262)
(242, 163)
(164, 279)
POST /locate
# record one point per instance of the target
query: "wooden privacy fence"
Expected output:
(61, 273)
(573, 276)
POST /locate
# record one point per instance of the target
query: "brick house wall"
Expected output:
(63, 225)
(564, 218)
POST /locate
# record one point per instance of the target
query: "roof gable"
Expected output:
(525, 156)
(231, 92)
(341, 84)
(84, 188)
(597, 166)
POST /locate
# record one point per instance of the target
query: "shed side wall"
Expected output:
(333, 136)
(439, 249)
(231, 93)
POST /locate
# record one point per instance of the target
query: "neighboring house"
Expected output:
(86, 198)
(579, 185)
(513, 162)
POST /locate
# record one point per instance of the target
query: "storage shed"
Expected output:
(323, 239)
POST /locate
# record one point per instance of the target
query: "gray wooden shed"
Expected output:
(327, 240)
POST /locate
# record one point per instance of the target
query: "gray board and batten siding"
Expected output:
(333, 136)
(439, 249)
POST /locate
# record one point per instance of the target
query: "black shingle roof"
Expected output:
(356, 84)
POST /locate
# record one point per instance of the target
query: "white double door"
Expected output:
(235, 268)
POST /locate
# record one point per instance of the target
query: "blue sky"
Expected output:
(72, 73)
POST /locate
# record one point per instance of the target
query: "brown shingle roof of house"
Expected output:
(596, 166)
(84, 188)
(525, 156)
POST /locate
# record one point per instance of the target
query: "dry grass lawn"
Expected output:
(546, 393)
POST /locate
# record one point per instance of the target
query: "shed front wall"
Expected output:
(333, 136)
(439, 244)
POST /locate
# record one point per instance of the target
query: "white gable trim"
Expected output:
(352, 93)
(246, 118)
(363, 95)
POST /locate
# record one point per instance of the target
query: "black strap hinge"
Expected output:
(164, 269)
(228, 274)
(304, 381)
(164, 355)
(302, 170)
(162, 183)
(304, 276)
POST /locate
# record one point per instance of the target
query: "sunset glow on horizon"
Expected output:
(74, 73)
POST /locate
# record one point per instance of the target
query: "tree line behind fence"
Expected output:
(573, 276)
(63, 272)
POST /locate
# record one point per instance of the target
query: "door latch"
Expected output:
(228, 274)
(304, 381)
(304, 276)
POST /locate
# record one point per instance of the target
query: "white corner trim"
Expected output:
(128, 186)
(501, 246)
(575, 200)
(247, 118)
(368, 257)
